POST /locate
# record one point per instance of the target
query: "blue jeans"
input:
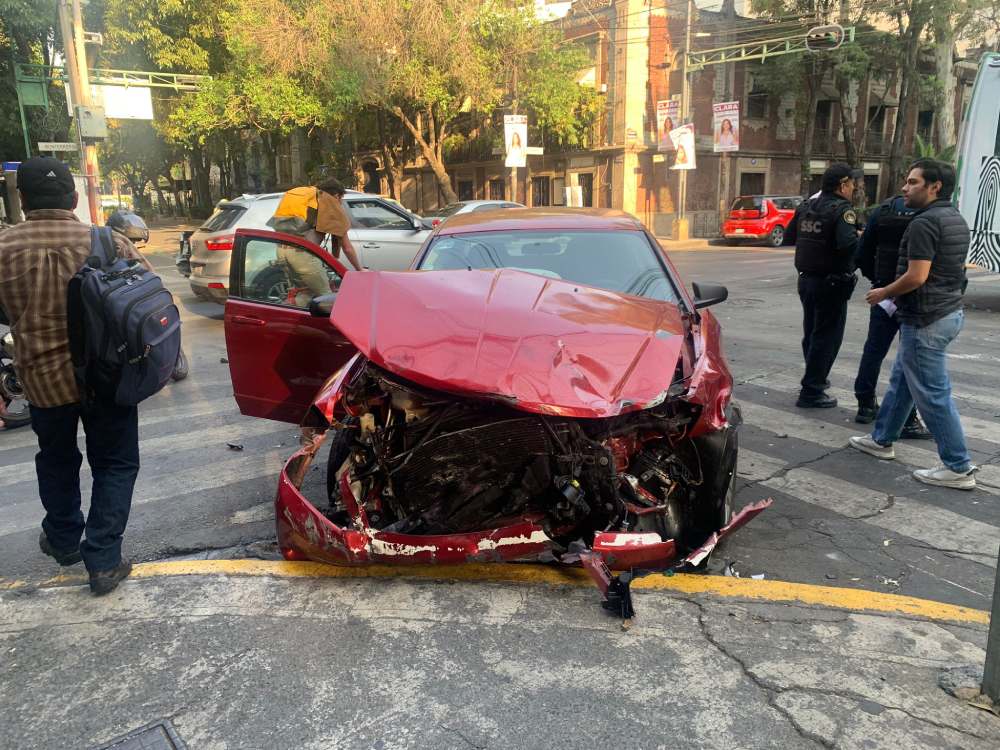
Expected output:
(882, 329)
(113, 454)
(920, 375)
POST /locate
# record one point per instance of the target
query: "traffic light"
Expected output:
(824, 38)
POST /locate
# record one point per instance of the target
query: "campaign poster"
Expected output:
(667, 115)
(726, 126)
(683, 140)
(515, 137)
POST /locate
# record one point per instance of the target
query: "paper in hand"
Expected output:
(889, 306)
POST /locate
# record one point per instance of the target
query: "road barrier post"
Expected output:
(991, 672)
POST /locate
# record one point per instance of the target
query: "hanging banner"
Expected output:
(726, 126)
(683, 140)
(515, 138)
(667, 113)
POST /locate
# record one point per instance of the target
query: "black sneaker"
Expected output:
(867, 410)
(105, 581)
(914, 429)
(64, 557)
(816, 402)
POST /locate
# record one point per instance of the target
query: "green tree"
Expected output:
(28, 34)
(428, 64)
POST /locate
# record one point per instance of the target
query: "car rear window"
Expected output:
(619, 261)
(748, 203)
(225, 217)
(260, 212)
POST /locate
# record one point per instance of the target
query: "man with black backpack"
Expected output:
(38, 259)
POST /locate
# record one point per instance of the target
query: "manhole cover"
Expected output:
(744, 301)
(159, 735)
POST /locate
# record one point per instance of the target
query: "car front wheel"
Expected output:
(777, 237)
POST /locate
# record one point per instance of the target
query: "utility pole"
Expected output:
(681, 230)
(71, 24)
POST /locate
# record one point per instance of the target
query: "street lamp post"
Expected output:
(681, 229)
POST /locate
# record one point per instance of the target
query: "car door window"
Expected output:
(287, 275)
(371, 214)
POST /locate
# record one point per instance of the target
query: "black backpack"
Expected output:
(124, 329)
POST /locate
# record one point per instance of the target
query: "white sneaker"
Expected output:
(942, 476)
(867, 444)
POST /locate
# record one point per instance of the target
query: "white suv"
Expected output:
(385, 236)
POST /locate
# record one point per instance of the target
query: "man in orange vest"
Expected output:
(312, 212)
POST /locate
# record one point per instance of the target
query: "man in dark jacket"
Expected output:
(928, 294)
(825, 235)
(878, 254)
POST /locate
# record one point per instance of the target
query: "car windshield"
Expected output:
(619, 261)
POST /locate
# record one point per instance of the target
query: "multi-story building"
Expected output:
(636, 49)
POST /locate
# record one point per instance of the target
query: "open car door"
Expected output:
(282, 346)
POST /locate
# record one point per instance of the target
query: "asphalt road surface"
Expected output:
(840, 518)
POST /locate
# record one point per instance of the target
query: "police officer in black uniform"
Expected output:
(878, 255)
(825, 233)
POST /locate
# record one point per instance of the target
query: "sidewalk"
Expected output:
(262, 654)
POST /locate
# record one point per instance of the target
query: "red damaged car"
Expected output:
(542, 387)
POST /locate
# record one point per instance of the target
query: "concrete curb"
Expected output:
(829, 597)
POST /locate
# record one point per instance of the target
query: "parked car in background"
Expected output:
(761, 218)
(544, 388)
(385, 236)
(465, 207)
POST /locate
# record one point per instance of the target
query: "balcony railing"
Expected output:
(876, 144)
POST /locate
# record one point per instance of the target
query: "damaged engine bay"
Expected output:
(420, 462)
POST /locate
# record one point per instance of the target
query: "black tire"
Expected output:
(340, 449)
(777, 237)
(271, 285)
(181, 368)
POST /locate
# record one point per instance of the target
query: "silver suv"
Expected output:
(385, 236)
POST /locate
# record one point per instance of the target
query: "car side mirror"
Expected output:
(417, 224)
(322, 306)
(708, 293)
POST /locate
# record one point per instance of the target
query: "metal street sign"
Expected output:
(56, 146)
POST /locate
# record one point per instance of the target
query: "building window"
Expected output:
(465, 190)
(752, 183)
(875, 140)
(498, 191)
(586, 182)
(876, 119)
(925, 124)
(540, 195)
(871, 188)
(756, 99)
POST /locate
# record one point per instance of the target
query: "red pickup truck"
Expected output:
(761, 217)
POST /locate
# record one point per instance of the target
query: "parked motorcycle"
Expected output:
(14, 409)
(183, 258)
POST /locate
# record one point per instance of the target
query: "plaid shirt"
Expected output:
(37, 260)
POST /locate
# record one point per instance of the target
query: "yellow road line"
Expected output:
(737, 588)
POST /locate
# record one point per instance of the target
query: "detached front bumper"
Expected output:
(305, 533)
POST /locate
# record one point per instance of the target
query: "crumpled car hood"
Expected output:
(543, 345)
